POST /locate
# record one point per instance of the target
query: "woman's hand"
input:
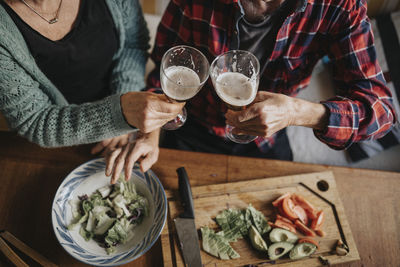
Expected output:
(108, 145)
(271, 112)
(145, 150)
(148, 111)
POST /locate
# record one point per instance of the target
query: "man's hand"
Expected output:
(148, 111)
(271, 112)
(108, 145)
(145, 150)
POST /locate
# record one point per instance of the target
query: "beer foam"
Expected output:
(236, 89)
(180, 83)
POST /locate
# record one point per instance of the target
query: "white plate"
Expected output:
(86, 179)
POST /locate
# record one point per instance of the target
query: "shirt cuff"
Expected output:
(342, 126)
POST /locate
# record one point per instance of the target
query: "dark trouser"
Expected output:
(194, 137)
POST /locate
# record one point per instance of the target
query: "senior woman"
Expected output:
(71, 72)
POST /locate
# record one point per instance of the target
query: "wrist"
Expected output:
(126, 103)
(309, 114)
(154, 136)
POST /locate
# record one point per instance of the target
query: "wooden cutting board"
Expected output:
(318, 188)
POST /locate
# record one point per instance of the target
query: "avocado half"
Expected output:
(277, 250)
(282, 235)
(302, 250)
(256, 239)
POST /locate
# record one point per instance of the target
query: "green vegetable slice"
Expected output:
(217, 245)
(87, 235)
(282, 235)
(233, 224)
(302, 250)
(258, 219)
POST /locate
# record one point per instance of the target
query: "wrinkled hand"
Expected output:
(148, 111)
(108, 145)
(145, 150)
(269, 113)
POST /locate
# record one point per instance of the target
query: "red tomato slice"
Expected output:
(311, 215)
(307, 206)
(303, 229)
(282, 224)
(301, 214)
(308, 240)
(320, 232)
(280, 210)
(288, 209)
(276, 202)
(317, 222)
(279, 217)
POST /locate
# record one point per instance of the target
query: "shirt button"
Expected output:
(235, 32)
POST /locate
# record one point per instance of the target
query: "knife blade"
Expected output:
(185, 225)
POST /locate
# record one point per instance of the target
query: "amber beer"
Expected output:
(236, 89)
(180, 83)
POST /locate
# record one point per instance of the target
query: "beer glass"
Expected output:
(235, 75)
(183, 72)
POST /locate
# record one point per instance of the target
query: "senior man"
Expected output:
(288, 37)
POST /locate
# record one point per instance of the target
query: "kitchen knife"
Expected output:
(184, 224)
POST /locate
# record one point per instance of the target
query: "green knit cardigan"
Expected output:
(37, 110)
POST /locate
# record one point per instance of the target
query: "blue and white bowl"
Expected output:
(86, 179)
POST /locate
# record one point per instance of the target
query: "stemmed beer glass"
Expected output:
(235, 76)
(183, 72)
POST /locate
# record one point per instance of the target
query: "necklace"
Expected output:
(51, 21)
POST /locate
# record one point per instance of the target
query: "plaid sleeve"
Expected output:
(363, 108)
(173, 29)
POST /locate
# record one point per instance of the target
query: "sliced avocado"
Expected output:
(282, 235)
(256, 239)
(277, 250)
(302, 250)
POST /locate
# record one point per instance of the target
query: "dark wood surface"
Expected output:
(30, 176)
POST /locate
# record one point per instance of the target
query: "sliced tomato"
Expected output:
(301, 214)
(303, 229)
(318, 221)
(320, 232)
(277, 201)
(280, 210)
(308, 240)
(288, 209)
(312, 215)
(279, 217)
(307, 206)
(285, 225)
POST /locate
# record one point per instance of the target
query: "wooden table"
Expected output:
(30, 176)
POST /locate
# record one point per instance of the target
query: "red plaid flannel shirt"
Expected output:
(340, 29)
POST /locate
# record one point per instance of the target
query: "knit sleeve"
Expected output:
(128, 73)
(29, 111)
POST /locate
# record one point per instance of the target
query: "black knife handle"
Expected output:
(185, 193)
